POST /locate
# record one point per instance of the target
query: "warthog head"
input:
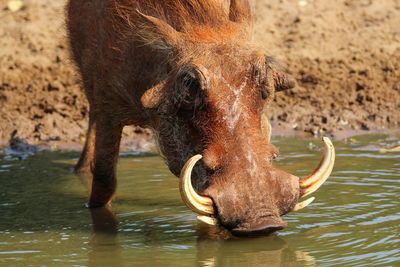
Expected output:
(208, 114)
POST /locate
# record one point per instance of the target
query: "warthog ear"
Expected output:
(156, 32)
(282, 80)
(240, 11)
(153, 96)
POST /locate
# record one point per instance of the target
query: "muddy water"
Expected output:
(354, 221)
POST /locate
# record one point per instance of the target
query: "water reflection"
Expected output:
(105, 248)
(214, 246)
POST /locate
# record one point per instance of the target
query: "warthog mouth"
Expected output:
(204, 206)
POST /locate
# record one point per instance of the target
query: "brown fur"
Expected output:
(188, 70)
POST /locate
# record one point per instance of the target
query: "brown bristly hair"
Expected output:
(203, 19)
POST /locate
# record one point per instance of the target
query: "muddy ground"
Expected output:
(344, 54)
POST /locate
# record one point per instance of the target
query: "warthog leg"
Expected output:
(108, 137)
(85, 161)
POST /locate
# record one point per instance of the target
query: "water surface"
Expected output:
(353, 222)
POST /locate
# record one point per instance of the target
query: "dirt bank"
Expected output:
(345, 56)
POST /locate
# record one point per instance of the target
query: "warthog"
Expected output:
(187, 69)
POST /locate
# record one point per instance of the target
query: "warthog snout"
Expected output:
(253, 205)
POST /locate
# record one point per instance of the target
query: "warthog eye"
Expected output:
(190, 91)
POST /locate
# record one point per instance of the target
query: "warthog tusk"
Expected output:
(266, 127)
(312, 182)
(199, 204)
(207, 220)
(303, 204)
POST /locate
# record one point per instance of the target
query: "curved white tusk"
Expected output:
(312, 182)
(305, 203)
(207, 220)
(266, 127)
(199, 204)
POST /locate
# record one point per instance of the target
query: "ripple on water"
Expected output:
(19, 252)
(353, 222)
(382, 219)
(368, 156)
